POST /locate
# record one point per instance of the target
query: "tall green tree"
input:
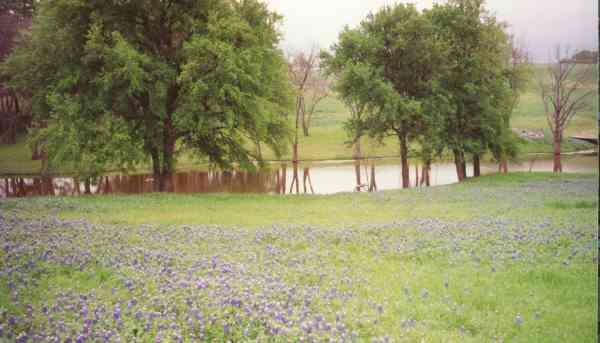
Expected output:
(154, 77)
(476, 78)
(388, 65)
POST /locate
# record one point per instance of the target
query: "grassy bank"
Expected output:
(341, 209)
(502, 258)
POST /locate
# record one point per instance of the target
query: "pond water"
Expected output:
(318, 178)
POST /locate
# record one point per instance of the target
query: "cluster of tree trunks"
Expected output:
(461, 165)
(17, 187)
(295, 185)
(9, 117)
(14, 17)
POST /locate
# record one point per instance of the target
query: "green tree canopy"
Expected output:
(119, 81)
(478, 80)
(388, 67)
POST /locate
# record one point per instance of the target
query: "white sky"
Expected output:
(540, 23)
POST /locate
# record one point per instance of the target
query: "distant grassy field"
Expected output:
(327, 140)
(530, 113)
(16, 159)
(507, 258)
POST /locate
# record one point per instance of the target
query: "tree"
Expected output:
(14, 115)
(300, 69)
(303, 71)
(318, 90)
(566, 88)
(519, 71)
(311, 88)
(157, 76)
(476, 80)
(388, 66)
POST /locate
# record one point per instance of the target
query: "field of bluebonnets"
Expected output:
(501, 259)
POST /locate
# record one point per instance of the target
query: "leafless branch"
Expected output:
(565, 89)
(310, 87)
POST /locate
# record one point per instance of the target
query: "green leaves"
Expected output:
(233, 82)
(441, 77)
(147, 76)
(387, 67)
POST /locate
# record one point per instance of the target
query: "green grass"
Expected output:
(16, 159)
(232, 209)
(386, 248)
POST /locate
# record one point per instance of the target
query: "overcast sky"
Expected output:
(540, 23)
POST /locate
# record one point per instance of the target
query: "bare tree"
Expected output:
(311, 88)
(317, 90)
(566, 86)
(302, 70)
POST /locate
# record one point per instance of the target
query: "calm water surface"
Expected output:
(323, 178)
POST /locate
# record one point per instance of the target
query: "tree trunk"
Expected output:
(35, 152)
(425, 179)
(307, 179)
(167, 164)
(557, 161)
(304, 127)
(88, 186)
(156, 175)
(283, 177)
(357, 173)
(77, 186)
(404, 161)
(356, 153)
(304, 180)
(301, 118)
(373, 183)
(47, 186)
(22, 190)
(503, 166)
(416, 175)
(476, 165)
(459, 161)
(107, 187)
(295, 180)
(295, 152)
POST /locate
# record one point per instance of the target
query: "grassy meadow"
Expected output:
(506, 258)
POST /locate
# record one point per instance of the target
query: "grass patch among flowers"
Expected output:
(509, 258)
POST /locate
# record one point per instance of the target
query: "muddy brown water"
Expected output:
(319, 178)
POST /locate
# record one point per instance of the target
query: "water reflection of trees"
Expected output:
(191, 182)
(370, 184)
(307, 185)
(20, 187)
(274, 181)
